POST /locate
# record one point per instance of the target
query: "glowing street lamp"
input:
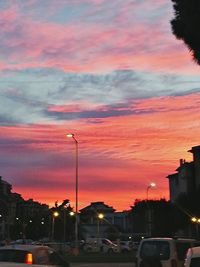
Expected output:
(100, 217)
(70, 135)
(150, 186)
(149, 212)
(194, 219)
(55, 214)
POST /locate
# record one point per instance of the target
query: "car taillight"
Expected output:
(29, 258)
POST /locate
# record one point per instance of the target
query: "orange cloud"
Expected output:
(121, 155)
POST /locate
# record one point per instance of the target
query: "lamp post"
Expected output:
(99, 217)
(70, 135)
(148, 187)
(197, 222)
(149, 212)
(55, 214)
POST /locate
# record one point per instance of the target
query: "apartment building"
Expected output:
(14, 209)
(186, 179)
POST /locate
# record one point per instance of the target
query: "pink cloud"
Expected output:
(78, 107)
(84, 47)
(7, 17)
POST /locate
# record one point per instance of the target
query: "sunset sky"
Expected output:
(112, 73)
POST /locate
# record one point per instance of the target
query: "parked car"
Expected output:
(31, 254)
(100, 245)
(169, 251)
(23, 241)
(192, 257)
(126, 246)
(58, 246)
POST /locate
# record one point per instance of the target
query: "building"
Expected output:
(112, 224)
(14, 210)
(5, 208)
(187, 177)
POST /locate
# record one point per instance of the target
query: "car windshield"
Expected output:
(9, 255)
(195, 262)
(157, 249)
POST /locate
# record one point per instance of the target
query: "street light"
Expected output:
(55, 214)
(70, 135)
(149, 212)
(194, 219)
(71, 213)
(197, 222)
(100, 216)
(149, 186)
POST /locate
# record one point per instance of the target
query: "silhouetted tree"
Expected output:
(64, 222)
(167, 219)
(190, 203)
(185, 25)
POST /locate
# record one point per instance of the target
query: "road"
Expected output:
(131, 264)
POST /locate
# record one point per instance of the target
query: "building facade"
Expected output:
(15, 212)
(6, 208)
(113, 224)
(187, 177)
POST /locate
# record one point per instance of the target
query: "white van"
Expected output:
(171, 252)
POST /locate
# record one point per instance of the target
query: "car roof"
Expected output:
(30, 248)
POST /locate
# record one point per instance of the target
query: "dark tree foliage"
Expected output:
(185, 25)
(64, 220)
(190, 203)
(167, 219)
